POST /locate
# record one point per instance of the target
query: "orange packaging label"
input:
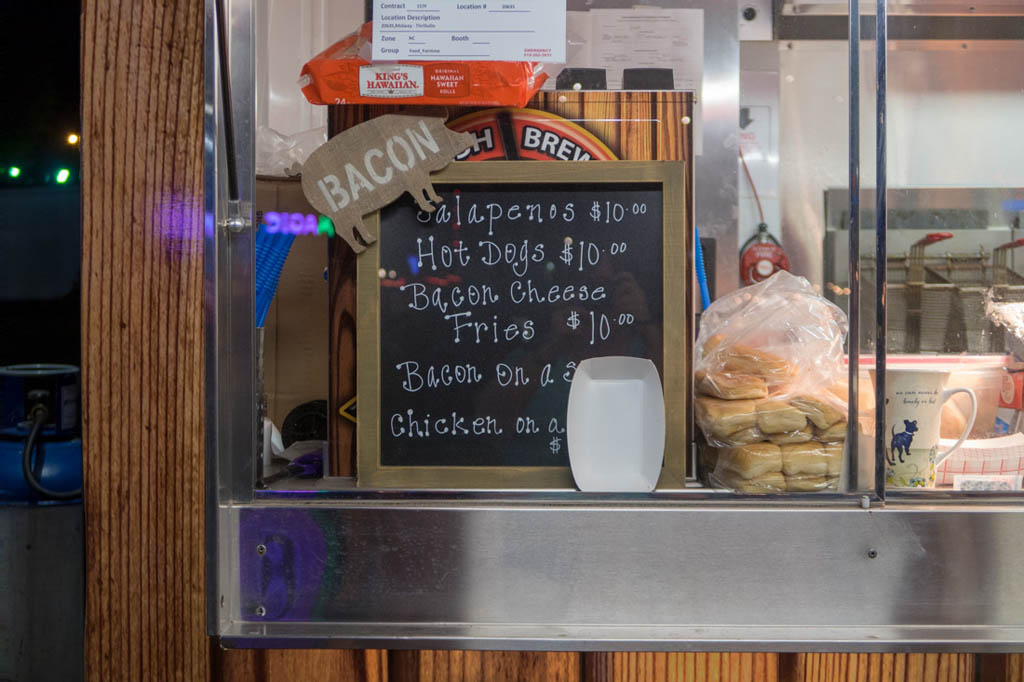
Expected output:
(339, 75)
(399, 80)
(447, 81)
(1011, 393)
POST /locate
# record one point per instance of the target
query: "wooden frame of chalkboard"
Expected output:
(456, 464)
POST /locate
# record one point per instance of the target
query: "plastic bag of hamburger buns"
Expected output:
(765, 359)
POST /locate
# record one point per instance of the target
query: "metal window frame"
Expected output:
(564, 570)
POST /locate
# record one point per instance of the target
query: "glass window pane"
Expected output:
(776, 138)
(954, 95)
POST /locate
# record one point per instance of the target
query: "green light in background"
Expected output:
(14, 171)
(62, 176)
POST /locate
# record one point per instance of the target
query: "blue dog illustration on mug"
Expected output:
(901, 441)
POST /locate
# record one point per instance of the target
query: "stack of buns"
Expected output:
(767, 430)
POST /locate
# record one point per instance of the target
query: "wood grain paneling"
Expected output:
(291, 665)
(836, 667)
(1000, 668)
(598, 113)
(1014, 671)
(681, 667)
(142, 338)
(483, 666)
(342, 355)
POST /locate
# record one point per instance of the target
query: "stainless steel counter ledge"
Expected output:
(903, 577)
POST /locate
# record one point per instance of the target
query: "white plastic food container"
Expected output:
(616, 425)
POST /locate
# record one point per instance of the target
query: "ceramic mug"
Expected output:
(913, 418)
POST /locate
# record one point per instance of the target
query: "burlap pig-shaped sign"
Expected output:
(370, 165)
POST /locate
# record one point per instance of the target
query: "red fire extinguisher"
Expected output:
(762, 255)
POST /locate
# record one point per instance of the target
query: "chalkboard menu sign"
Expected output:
(472, 319)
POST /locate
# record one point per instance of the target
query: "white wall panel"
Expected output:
(288, 34)
(954, 120)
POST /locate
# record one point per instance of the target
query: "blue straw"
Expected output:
(271, 252)
(702, 278)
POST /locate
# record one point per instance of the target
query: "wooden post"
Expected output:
(142, 339)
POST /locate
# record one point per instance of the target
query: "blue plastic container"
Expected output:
(60, 381)
(58, 466)
(57, 456)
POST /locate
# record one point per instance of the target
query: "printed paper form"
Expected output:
(642, 37)
(648, 38)
(501, 30)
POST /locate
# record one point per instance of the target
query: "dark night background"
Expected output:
(39, 63)
(39, 218)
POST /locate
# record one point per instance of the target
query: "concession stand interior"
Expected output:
(583, 340)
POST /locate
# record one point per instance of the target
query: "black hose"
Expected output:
(225, 96)
(39, 416)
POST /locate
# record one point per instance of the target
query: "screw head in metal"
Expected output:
(750, 13)
(235, 224)
(260, 612)
(261, 549)
(872, 553)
